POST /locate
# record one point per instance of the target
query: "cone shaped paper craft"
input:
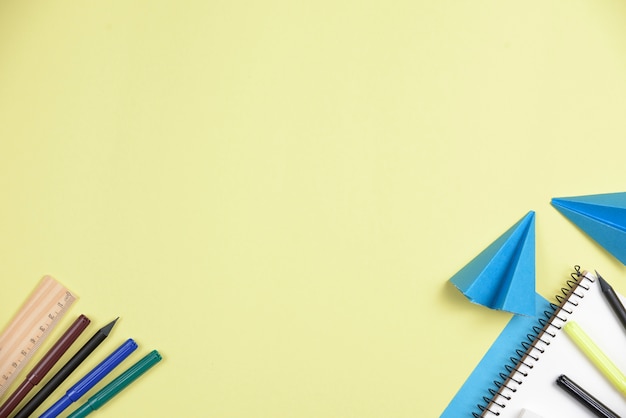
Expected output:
(503, 275)
(601, 216)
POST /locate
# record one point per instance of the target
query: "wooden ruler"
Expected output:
(30, 327)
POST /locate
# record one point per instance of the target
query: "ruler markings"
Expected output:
(30, 327)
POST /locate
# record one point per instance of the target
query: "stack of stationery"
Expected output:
(561, 359)
(570, 363)
(28, 330)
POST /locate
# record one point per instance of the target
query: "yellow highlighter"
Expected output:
(597, 357)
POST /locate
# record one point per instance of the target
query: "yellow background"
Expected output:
(274, 194)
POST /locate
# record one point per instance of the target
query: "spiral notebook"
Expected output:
(520, 369)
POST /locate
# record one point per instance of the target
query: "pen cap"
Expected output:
(125, 379)
(102, 369)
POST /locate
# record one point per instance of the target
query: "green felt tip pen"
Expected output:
(596, 356)
(117, 385)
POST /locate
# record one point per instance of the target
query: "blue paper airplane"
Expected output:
(503, 275)
(601, 216)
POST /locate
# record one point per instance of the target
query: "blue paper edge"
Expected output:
(615, 200)
(606, 235)
(492, 364)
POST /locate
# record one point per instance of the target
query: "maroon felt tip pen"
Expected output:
(45, 365)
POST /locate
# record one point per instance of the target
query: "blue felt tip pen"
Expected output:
(91, 378)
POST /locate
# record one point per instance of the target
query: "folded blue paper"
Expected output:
(502, 276)
(602, 217)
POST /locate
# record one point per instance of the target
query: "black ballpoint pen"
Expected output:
(65, 371)
(613, 300)
(582, 396)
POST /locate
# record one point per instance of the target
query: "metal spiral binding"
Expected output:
(522, 359)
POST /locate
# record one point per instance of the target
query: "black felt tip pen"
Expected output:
(613, 300)
(65, 371)
(585, 398)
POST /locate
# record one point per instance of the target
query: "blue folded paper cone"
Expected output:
(503, 275)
